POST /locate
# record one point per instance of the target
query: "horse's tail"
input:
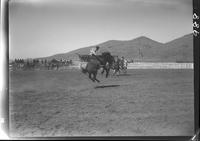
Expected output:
(80, 56)
(83, 70)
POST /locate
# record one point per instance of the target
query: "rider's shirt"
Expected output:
(93, 51)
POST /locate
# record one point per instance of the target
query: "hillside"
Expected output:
(180, 50)
(142, 49)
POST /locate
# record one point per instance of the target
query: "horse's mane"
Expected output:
(106, 53)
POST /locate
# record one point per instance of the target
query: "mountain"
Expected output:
(142, 49)
(179, 50)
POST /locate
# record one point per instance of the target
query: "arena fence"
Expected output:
(153, 65)
(166, 65)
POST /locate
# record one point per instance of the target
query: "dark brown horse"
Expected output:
(104, 60)
(92, 68)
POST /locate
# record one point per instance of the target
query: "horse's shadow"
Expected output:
(123, 74)
(106, 86)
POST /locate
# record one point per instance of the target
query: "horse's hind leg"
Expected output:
(90, 76)
(94, 77)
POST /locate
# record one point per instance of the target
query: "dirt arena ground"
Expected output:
(67, 103)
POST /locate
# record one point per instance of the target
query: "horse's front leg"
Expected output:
(113, 72)
(125, 70)
(107, 72)
(102, 70)
(119, 71)
(94, 77)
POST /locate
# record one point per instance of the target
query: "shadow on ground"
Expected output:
(106, 86)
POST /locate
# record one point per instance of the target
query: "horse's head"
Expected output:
(108, 57)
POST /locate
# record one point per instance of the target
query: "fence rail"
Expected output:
(149, 65)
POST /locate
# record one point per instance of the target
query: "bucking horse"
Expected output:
(94, 63)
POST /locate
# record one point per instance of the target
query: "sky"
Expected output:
(40, 28)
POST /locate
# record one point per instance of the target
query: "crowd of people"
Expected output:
(31, 64)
